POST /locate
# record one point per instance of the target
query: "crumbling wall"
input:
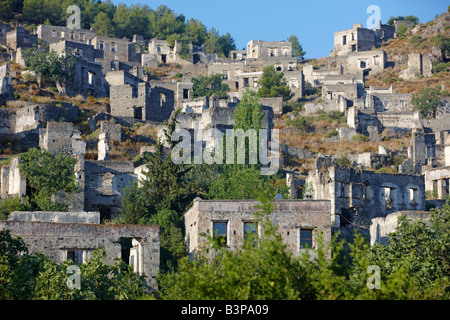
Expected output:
(56, 240)
(12, 181)
(357, 196)
(381, 227)
(105, 182)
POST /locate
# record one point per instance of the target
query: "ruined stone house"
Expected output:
(418, 65)
(359, 39)
(20, 38)
(63, 236)
(54, 34)
(268, 49)
(299, 222)
(143, 102)
(357, 196)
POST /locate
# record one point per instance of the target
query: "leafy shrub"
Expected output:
(386, 170)
(300, 123)
(331, 134)
(343, 162)
(360, 138)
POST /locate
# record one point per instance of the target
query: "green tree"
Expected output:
(297, 49)
(248, 113)
(47, 174)
(196, 31)
(8, 205)
(165, 22)
(172, 245)
(10, 250)
(103, 25)
(244, 182)
(132, 206)
(37, 11)
(273, 84)
(411, 18)
(208, 85)
(427, 102)
(442, 42)
(226, 44)
(7, 11)
(50, 66)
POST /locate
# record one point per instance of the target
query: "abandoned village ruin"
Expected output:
(328, 199)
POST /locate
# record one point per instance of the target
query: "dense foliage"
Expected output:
(208, 85)
(427, 101)
(273, 84)
(46, 174)
(49, 65)
(25, 276)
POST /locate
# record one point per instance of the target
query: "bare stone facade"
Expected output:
(235, 217)
(20, 38)
(382, 226)
(360, 39)
(12, 181)
(357, 196)
(136, 245)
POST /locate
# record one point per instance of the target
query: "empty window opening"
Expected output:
(220, 229)
(125, 246)
(367, 192)
(250, 229)
(164, 58)
(91, 78)
(162, 99)
(413, 195)
(105, 213)
(306, 238)
(362, 64)
(185, 93)
(195, 58)
(137, 113)
(75, 255)
(389, 197)
(344, 40)
(107, 184)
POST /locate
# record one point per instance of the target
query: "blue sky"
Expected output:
(313, 22)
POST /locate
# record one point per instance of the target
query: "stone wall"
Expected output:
(57, 240)
(12, 181)
(59, 217)
(382, 226)
(105, 182)
(53, 34)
